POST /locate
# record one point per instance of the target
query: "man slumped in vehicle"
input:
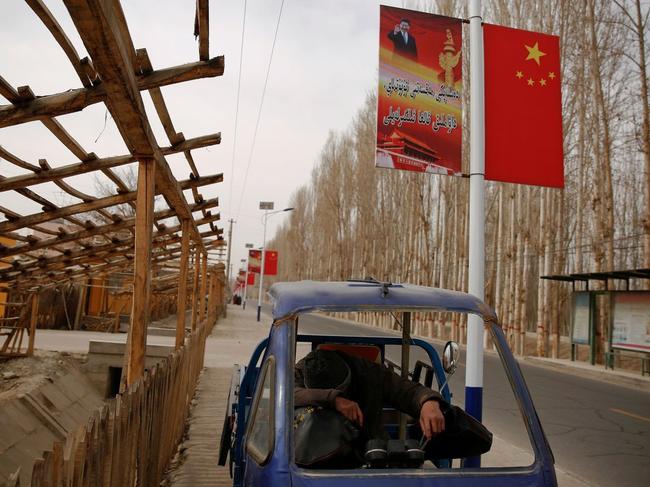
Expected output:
(358, 389)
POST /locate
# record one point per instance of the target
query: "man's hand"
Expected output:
(432, 421)
(397, 29)
(349, 409)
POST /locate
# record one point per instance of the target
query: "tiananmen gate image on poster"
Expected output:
(420, 87)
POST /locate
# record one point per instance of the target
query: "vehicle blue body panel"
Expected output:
(291, 299)
(276, 470)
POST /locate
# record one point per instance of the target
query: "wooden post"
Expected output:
(81, 304)
(204, 277)
(195, 286)
(137, 337)
(182, 285)
(118, 312)
(32, 324)
(211, 303)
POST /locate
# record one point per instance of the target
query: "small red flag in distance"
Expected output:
(523, 107)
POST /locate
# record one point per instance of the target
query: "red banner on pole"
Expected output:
(420, 87)
(251, 279)
(270, 263)
(254, 261)
(523, 107)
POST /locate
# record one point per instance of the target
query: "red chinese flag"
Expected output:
(523, 107)
(270, 262)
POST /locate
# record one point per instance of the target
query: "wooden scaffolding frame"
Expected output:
(92, 238)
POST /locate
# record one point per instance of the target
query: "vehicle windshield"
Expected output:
(355, 333)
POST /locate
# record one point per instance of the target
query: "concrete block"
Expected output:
(53, 395)
(10, 461)
(11, 432)
(19, 415)
(165, 332)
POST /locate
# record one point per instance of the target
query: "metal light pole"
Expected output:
(474, 365)
(265, 217)
(228, 269)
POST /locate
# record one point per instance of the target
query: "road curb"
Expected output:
(590, 372)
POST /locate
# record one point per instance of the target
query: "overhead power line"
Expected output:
(259, 112)
(234, 137)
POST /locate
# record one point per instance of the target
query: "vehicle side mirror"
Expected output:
(450, 356)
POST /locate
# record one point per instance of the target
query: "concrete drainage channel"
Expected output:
(48, 396)
(31, 419)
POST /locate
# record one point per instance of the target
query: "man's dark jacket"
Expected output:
(372, 386)
(407, 49)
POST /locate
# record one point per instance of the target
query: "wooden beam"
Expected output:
(66, 139)
(76, 100)
(53, 26)
(202, 18)
(16, 161)
(142, 272)
(182, 288)
(94, 165)
(158, 100)
(8, 91)
(104, 32)
(52, 279)
(98, 230)
(37, 218)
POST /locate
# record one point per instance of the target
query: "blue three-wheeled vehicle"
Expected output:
(258, 428)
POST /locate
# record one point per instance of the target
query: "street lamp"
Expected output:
(264, 205)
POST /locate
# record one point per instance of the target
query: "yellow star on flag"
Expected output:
(519, 74)
(530, 82)
(534, 53)
(551, 75)
(542, 82)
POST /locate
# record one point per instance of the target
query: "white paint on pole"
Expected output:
(474, 371)
(259, 297)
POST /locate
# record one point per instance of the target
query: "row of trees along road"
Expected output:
(352, 220)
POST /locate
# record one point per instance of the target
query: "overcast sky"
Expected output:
(324, 65)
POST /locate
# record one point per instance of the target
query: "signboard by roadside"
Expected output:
(631, 321)
(420, 88)
(581, 319)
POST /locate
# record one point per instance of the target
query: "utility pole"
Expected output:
(231, 221)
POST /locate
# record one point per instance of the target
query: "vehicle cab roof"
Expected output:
(291, 298)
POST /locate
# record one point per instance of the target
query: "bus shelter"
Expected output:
(628, 332)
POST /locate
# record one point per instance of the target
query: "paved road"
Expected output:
(598, 431)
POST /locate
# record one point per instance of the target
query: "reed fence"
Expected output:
(132, 438)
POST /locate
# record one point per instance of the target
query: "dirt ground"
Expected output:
(20, 375)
